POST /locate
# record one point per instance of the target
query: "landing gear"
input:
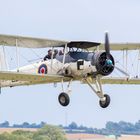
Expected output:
(64, 99)
(104, 98)
(105, 103)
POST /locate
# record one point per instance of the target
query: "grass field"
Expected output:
(99, 137)
(84, 137)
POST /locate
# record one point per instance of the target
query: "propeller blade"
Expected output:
(107, 46)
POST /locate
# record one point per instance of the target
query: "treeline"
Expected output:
(6, 124)
(123, 127)
(111, 128)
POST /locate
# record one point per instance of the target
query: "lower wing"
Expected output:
(10, 79)
(116, 80)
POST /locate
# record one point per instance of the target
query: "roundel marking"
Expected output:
(42, 69)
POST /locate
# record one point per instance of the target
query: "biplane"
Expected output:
(89, 62)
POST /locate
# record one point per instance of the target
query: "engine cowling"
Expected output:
(104, 63)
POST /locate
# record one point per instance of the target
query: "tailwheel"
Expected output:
(64, 99)
(106, 102)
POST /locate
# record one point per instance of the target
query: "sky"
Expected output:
(70, 20)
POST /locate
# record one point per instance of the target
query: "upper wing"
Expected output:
(16, 78)
(29, 42)
(121, 46)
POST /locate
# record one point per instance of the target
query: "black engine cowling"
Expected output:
(104, 63)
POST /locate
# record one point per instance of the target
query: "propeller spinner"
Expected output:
(107, 50)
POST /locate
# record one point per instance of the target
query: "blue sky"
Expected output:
(70, 20)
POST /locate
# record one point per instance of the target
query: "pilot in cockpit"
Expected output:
(55, 53)
(49, 55)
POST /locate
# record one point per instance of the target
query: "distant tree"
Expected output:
(42, 124)
(50, 132)
(89, 130)
(125, 126)
(73, 125)
(34, 125)
(25, 125)
(61, 126)
(26, 134)
(46, 133)
(81, 127)
(17, 126)
(112, 126)
(7, 136)
(5, 124)
(42, 138)
(137, 125)
(121, 128)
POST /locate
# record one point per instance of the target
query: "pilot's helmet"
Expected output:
(60, 52)
(49, 51)
(55, 51)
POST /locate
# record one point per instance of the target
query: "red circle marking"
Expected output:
(42, 70)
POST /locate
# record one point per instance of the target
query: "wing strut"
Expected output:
(98, 90)
(5, 60)
(52, 58)
(64, 57)
(17, 55)
(104, 98)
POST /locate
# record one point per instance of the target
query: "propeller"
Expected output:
(108, 60)
(107, 45)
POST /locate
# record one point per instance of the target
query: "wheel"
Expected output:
(64, 99)
(105, 103)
